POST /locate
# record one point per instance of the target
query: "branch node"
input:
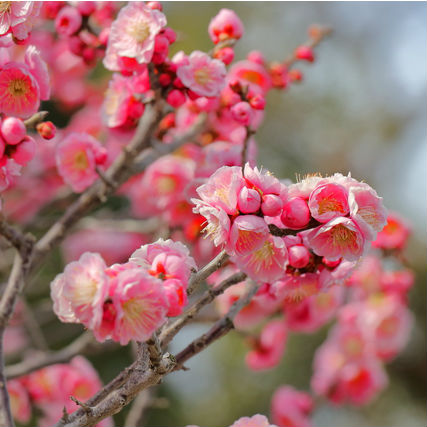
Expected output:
(86, 408)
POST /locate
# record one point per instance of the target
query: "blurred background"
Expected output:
(360, 108)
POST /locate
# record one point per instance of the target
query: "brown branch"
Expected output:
(281, 232)
(78, 346)
(206, 271)
(6, 419)
(169, 332)
(218, 330)
(319, 34)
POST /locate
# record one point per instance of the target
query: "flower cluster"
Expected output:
(39, 390)
(125, 301)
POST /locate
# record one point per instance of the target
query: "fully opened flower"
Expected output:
(132, 34)
(203, 75)
(338, 238)
(141, 305)
(79, 292)
(77, 156)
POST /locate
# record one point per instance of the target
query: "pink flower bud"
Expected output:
(86, 8)
(271, 205)
(299, 256)
(76, 45)
(249, 200)
(155, 5)
(170, 34)
(331, 264)
(165, 79)
(68, 21)
(305, 53)
(175, 98)
(226, 25)
(257, 102)
(257, 57)
(13, 130)
(46, 130)
(226, 55)
(241, 112)
(296, 214)
(24, 151)
(2, 147)
(161, 45)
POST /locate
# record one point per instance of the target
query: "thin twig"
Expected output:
(169, 332)
(218, 330)
(6, 418)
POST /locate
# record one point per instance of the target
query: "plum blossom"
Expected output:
(16, 19)
(394, 235)
(225, 25)
(77, 157)
(141, 305)
(254, 421)
(269, 348)
(340, 237)
(22, 85)
(79, 292)
(132, 34)
(290, 407)
(202, 74)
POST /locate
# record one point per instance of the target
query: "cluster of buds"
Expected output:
(126, 301)
(14, 142)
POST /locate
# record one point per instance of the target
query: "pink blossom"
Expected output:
(141, 305)
(76, 159)
(132, 34)
(394, 235)
(252, 74)
(122, 105)
(313, 312)
(397, 282)
(165, 259)
(299, 256)
(269, 348)
(19, 91)
(225, 25)
(328, 201)
(262, 180)
(388, 323)
(291, 408)
(293, 289)
(248, 233)
(16, 17)
(176, 293)
(19, 401)
(68, 21)
(167, 178)
(39, 70)
(203, 75)
(242, 113)
(79, 292)
(8, 173)
(338, 238)
(222, 189)
(295, 213)
(249, 200)
(13, 130)
(367, 210)
(254, 421)
(356, 381)
(271, 205)
(267, 263)
(218, 223)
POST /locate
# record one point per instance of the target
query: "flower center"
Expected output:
(139, 31)
(202, 76)
(80, 161)
(18, 87)
(4, 7)
(342, 235)
(166, 184)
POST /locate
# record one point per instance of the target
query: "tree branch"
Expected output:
(218, 330)
(169, 332)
